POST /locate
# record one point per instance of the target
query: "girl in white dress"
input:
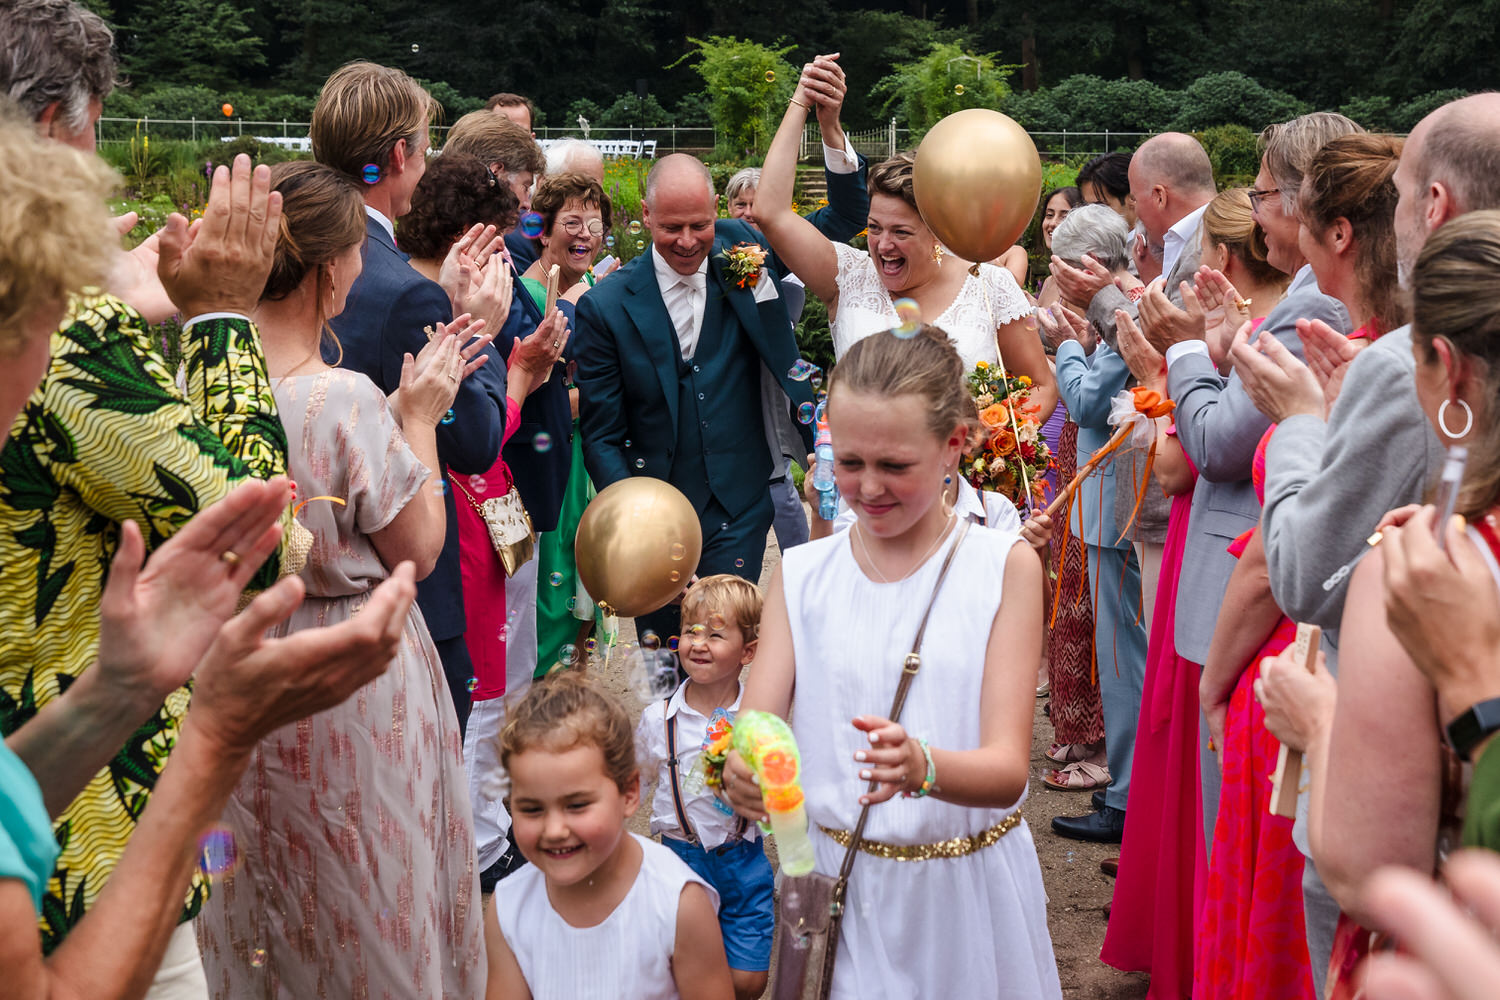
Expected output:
(904, 261)
(600, 913)
(945, 898)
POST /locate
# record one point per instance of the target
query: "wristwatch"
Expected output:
(1470, 729)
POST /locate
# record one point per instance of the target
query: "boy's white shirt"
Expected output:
(713, 827)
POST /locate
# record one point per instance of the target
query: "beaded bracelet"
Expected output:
(929, 782)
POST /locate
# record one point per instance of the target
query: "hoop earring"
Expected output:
(1443, 420)
(937, 254)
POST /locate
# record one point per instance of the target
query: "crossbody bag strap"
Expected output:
(670, 722)
(909, 668)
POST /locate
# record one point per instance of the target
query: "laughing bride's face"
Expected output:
(900, 244)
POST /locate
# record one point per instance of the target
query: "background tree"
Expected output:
(748, 86)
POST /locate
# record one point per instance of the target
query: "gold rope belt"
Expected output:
(957, 847)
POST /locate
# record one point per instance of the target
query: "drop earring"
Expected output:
(947, 503)
(937, 254)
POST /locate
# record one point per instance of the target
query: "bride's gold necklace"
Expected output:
(865, 548)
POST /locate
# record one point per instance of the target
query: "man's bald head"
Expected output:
(1458, 146)
(1170, 178)
(679, 172)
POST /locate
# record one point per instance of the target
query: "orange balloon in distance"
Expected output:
(977, 180)
(228, 110)
(637, 546)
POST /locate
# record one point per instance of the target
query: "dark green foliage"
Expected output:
(1233, 153)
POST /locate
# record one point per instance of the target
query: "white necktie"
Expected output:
(681, 311)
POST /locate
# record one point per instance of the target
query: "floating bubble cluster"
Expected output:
(803, 370)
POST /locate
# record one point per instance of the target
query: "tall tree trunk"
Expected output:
(1031, 72)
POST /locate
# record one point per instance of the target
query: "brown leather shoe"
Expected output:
(1110, 866)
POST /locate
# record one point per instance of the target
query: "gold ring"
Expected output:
(556, 344)
(1242, 304)
(230, 556)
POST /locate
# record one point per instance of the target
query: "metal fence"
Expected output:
(876, 143)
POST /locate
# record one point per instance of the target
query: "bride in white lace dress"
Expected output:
(905, 260)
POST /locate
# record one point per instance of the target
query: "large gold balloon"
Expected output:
(638, 545)
(976, 181)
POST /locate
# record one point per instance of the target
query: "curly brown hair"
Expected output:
(556, 190)
(457, 191)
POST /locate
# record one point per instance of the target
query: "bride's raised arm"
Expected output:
(805, 251)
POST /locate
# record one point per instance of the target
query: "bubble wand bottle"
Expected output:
(823, 482)
(767, 745)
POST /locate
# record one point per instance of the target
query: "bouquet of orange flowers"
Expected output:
(1007, 446)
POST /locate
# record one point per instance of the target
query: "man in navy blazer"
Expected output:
(390, 305)
(670, 351)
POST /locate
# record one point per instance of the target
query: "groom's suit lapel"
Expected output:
(653, 324)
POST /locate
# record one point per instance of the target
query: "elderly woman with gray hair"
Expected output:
(1096, 231)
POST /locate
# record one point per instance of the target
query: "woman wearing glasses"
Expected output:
(575, 215)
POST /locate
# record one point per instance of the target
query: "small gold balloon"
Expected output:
(770, 76)
(958, 89)
(628, 545)
(976, 182)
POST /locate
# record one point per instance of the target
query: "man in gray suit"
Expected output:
(1329, 483)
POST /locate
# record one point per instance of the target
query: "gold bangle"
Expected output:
(804, 107)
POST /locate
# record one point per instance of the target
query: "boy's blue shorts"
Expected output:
(741, 875)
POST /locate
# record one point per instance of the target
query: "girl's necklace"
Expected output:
(865, 548)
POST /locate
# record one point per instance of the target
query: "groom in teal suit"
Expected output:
(670, 349)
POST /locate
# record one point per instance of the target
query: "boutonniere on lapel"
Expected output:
(746, 262)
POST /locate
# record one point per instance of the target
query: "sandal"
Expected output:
(1079, 776)
(1067, 753)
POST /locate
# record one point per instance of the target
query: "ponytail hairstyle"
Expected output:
(322, 216)
(926, 366)
(1351, 178)
(1453, 297)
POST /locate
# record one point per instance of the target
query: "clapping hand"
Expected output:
(472, 284)
(134, 278)
(1060, 324)
(1145, 362)
(157, 621)
(220, 264)
(533, 357)
(1328, 354)
(1224, 312)
(1164, 323)
(427, 393)
(250, 684)
(1079, 286)
(1277, 382)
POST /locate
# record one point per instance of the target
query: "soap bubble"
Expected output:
(910, 315)
(650, 641)
(739, 564)
(478, 484)
(817, 380)
(448, 417)
(634, 228)
(803, 370)
(609, 241)
(805, 413)
(572, 603)
(542, 442)
(473, 684)
(218, 854)
(440, 487)
(371, 173)
(678, 551)
(504, 633)
(958, 89)
(567, 653)
(415, 47)
(532, 225)
(673, 642)
(592, 646)
(640, 463)
(674, 576)
(716, 622)
(556, 579)
(770, 76)
(652, 673)
(258, 957)
(640, 244)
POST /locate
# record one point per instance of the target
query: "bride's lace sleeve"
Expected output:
(1006, 297)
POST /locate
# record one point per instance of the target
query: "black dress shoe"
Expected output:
(1097, 799)
(1107, 826)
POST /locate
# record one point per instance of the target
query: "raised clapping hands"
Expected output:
(1225, 312)
(1449, 940)
(1164, 323)
(1077, 285)
(1144, 361)
(1277, 383)
(221, 263)
(157, 622)
(1444, 608)
(473, 285)
(1060, 324)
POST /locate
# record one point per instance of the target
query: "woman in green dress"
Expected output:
(575, 215)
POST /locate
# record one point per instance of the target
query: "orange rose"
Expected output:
(994, 416)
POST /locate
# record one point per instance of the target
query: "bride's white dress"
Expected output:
(866, 307)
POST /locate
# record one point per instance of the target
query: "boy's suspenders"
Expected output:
(669, 721)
